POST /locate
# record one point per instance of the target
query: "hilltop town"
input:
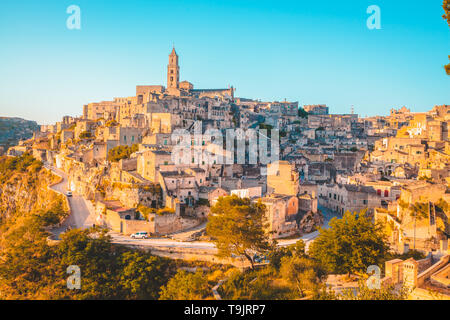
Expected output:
(117, 160)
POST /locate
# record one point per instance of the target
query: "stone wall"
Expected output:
(193, 254)
(131, 195)
(431, 270)
(170, 223)
(133, 226)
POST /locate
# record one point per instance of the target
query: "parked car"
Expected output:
(260, 259)
(69, 193)
(140, 235)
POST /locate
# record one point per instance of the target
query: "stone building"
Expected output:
(149, 163)
(426, 279)
(399, 150)
(316, 109)
(122, 136)
(180, 185)
(66, 135)
(282, 178)
(281, 212)
(173, 74)
(84, 126)
(348, 197)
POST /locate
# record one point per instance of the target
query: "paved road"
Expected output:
(163, 243)
(186, 235)
(203, 245)
(81, 216)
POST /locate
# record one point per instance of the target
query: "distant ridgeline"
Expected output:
(14, 129)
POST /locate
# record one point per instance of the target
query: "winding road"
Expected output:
(83, 216)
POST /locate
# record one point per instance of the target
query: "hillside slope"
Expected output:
(12, 130)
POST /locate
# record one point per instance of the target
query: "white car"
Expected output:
(69, 193)
(140, 235)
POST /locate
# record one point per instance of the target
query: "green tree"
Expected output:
(351, 244)
(446, 16)
(237, 226)
(277, 253)
(142, 275)
(111, 123)
(121, 152)
(93, 252)
(186, 286)
(303, 273)
(85, 135)
(27, 262)
(446, 7)
(257, 284)
(109, 271)
(302, 113)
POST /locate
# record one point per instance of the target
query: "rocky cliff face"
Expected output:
(12, 130)
(24, 190)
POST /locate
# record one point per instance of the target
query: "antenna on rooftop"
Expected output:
(352, 110)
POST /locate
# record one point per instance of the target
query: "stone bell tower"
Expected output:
(173, 71)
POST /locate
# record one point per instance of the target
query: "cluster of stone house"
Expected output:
(425, 279)
(341, 162)
(174, 196)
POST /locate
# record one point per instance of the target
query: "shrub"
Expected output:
(164, 211)
(121, 152)
(85, 135)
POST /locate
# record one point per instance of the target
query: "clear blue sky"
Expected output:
(308, 51)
